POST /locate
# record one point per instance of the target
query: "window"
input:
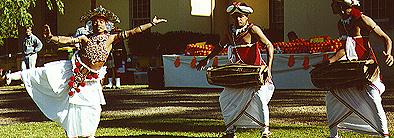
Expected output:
(202, 7)
(140, 12)
(379, 10)
(276, 20)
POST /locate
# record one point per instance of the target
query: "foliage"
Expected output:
(15, 13)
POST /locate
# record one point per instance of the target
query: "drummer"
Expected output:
(248, 106)
(357, 108)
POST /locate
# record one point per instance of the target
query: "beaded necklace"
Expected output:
(96, 49)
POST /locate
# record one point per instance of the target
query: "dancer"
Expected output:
(357, 108)
(248, 106)
(69, 91)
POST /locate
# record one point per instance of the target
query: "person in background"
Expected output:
(116, 62)
(31, 45)
(292, 36)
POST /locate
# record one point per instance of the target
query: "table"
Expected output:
(284, 76)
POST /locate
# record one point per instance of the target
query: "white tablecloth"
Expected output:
(284, 77)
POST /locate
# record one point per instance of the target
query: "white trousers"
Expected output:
(29, 61)
(357, 109)
(246, 107)
(48, 86)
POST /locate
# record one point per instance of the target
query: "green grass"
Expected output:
(32, 129)
(137, 111)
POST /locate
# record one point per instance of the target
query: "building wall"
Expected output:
(221, 19)
(120, 8)
(69, 21)
(179, 18)
(261, 14)
(74, 9)
(177, 12)
(302, 16)
(309, 18)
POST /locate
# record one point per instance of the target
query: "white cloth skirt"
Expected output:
(48, 86)
(358, 109)
(246, 107)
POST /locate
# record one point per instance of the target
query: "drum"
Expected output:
(344, 74)
(237, 75)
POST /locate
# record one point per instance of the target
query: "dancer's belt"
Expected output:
(237, 75)
(344, 74)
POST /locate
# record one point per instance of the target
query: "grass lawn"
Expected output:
(137, 111)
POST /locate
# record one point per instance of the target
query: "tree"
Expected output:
(14, 13)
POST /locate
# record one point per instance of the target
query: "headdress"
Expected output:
(100, 12)
(240, 8)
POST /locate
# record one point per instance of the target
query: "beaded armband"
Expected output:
(74, 40)
(123, 35)
(56, 41)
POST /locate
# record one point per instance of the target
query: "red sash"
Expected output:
(363, 50)
(248, 55)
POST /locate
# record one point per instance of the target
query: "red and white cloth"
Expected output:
(357, 108)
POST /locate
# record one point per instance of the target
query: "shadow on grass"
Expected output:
(200, 105)
(201, 114)
(18, 105)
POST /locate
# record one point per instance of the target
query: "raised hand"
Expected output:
(201, 64)
(265, 69)
(156, 20)
(269, 75)
(47, 31)
(389, 59)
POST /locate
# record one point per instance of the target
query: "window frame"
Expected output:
(379, 11)
(139, 12)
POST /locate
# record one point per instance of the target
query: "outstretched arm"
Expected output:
(60, 39)
(140, 28)
(379, 32)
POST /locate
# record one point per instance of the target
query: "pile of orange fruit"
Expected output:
(313, 45)
(201, 50)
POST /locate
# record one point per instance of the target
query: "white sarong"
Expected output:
(358, 109)
(48, 86)
(246, 107)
